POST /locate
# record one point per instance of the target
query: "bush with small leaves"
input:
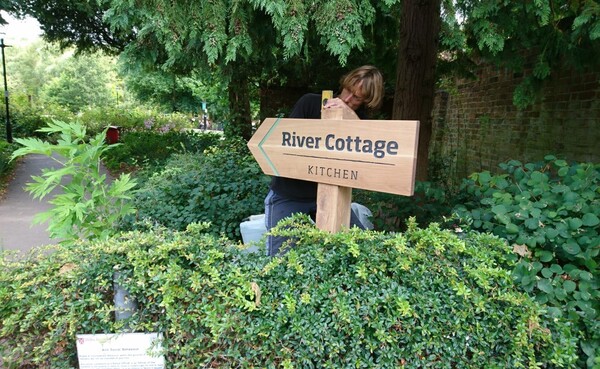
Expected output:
(6, 151)
(355, 299)
(133, 119)
(26, 121)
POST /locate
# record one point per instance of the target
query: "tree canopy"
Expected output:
(552, 34)
(40, 74)
(310, 43)
(78, 24)
(80, 82)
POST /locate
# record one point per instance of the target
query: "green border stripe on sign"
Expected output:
(263, 141)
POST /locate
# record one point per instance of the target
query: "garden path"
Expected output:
(18, 208)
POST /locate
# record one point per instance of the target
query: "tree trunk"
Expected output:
(240, 123)
(415, 82)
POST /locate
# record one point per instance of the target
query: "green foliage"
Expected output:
(430, 203)
(80, 82)
(221, 31)
(133, 119)
(151, 148)
(248, 44)
(27, 119)
(525, 93)
(173, 92)
(77, 24)
(44, 81)
(351, 300)
(52, 297)
(29, 68)
(587, 22)
(166, 90)
(552, 34)
(223, 186)
(6, 151)
(27, 122)
(339, 24)
(549, 211)
(271, 40)
(96, 119)
(88, 206)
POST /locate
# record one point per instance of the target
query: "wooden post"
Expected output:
(333, 207)
(333, 202)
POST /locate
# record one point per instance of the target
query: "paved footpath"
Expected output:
(18, 208)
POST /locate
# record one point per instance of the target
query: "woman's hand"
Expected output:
(339, 104)
(335, 103)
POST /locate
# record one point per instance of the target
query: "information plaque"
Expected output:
(120, 351)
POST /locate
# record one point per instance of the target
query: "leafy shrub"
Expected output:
(26, 119)
(25, 122)
(223, 185)
(6, 165)
(130, 119)
(429, 203)
(96, 119)
(351, 300)
(167, 122)
(6, 151)
(50, 112)
(88, 206)
(148, 148)
(549, 211)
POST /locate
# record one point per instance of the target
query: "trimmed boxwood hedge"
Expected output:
(357, 299)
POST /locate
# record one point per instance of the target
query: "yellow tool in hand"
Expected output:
(325, 95)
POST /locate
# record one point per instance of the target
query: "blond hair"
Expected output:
(370, 81)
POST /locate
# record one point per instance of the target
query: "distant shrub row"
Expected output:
(27, 120)
(145, 148)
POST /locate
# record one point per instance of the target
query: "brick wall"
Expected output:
(476, 126)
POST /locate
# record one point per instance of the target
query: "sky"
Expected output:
(19, 32)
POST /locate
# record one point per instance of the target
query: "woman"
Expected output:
(362, 88)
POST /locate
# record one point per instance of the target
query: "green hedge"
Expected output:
(26, 122)
(223, 185)
(549, 212)
(357, 299)
(131, 119)
(139, 149)
(26, 119)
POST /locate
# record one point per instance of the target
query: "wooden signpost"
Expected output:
(340, 154)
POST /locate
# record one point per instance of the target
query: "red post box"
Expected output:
(112, 135)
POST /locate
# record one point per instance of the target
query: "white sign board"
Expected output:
(119, 351)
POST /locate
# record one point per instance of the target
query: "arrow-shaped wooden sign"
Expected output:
(376, 155)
